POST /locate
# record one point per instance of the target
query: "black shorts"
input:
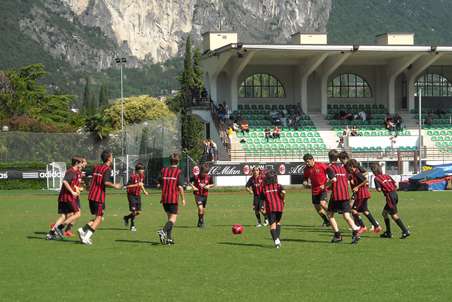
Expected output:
(170, 208)
(316, 199)
(258, 203)
(392, 199)
(134, 202)
(274, 217)
(78, 203)
(339, 206)
(67, 207)
(201, 200)
(96, 208)
(360, 205)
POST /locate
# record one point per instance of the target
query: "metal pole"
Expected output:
(122, 113)
(420, 129)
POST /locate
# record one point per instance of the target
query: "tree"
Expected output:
(197, 71)
(187, 78)
(89, 100)
(103, 96)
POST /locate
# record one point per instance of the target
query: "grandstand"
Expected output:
(332, 88)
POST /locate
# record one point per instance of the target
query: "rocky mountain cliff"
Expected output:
(156, 29)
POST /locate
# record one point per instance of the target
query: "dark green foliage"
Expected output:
(103, 96)
(360, 21)
(187, 78)
(197, 71)
(89, 100)
(26, 103)
(19, 184)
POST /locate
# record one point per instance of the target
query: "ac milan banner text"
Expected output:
(244, 169)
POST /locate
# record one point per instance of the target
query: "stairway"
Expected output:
(411, 124)
(329, 137)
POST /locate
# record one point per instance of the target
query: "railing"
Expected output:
(444, 155)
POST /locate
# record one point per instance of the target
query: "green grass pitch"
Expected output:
(213, 265)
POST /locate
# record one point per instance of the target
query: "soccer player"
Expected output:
(134, 188)
(254, 186)
(274, 204)
(201, 184)
(172, 184)
(96, 196)
(317, 173)
(67, 200)
(340, 198)
(384, 183)
(360, 188)
(80, 188)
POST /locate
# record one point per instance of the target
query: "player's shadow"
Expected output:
(138, 241)
(245, 244)
(303, 240)
(186, 227)
(230, 225)
(113, 229)
(41, 238)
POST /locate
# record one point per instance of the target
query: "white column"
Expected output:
(395, 68)
(330, 65)
(235, 70)
(213, 65)
(413, 73)
(305, 69)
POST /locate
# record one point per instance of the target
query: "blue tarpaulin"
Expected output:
(428, 175)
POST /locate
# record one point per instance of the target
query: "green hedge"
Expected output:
(23, 184)
(22, 165)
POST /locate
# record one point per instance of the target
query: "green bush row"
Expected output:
(14, 184)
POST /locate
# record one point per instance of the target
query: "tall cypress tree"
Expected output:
(103, 96)
(197, 71)
(187, 78)
(89, 101)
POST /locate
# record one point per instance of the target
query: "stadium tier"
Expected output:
(292, 141)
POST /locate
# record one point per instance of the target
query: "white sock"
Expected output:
(277, 241)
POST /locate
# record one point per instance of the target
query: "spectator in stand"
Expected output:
(205, 153)
(341, 142)
(276, 132)
(235, 127)
(346, 131)
(345, 115)
(389, 123)
(275, 118)
(213, 150)
(230, 132)
(244, 127)
(354, 131)
(429, 119)
(398, 121)
(267, 134)
(362, 115)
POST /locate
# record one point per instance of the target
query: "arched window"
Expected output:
(349, 85)
(434, 84)
(261, 85)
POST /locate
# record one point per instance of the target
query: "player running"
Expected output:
(201, 184)
(134, 188)
(384, 183)
(254, 186)
(96, 196)
(274, 204)
(360, 188)
(317, 174)
(340, 198)
(172, 182)
(67, 200)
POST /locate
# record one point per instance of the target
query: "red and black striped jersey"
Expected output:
(339, 188)
(135, 179)
(385, 183)
(170, 180)
(72, 177)
(200, 182)
(358, 178)
(274, 201)
(317, 175)
(101, 175)
(256, 184)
